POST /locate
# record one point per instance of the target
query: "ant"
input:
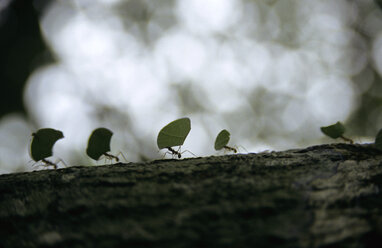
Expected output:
(111, 156)
(47, 163)
(347, 139)
(176, 153)
(234, 150)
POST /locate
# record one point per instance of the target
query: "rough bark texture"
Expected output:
(321, 196)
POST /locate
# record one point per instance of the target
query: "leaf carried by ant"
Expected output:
(43, 141)
(378, 140)
(174, 133)
(334, 131)
(99, 143)
(222, 139)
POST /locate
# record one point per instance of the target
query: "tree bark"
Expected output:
(320, 196)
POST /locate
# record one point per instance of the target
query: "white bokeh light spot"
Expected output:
(208, 16)
(182, 52)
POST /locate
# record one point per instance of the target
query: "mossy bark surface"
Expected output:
(321, 196)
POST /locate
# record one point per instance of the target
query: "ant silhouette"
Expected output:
(46, 163)
(234, 150)
(175, 153)
(111, 156)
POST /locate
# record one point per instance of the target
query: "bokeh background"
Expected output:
(269, 71)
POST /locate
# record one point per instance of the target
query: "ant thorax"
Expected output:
(173, 152)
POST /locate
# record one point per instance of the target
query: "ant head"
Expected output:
(179, 155)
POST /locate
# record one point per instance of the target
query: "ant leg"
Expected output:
(163, 154)
(174, 153)
(123, 156)
(347, 139)
(34, 163)
(30, 161)
(60, 160)
(179, 152)
(37, 165)
(242, 148)
(167, 152)
(188, 152)
(48, 163)
(230, 148)
(108, 155)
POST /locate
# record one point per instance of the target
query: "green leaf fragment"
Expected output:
(174, 133)
(99, 143)
(43, 141)
(378, 140)
(222, 139)
(334, 131)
